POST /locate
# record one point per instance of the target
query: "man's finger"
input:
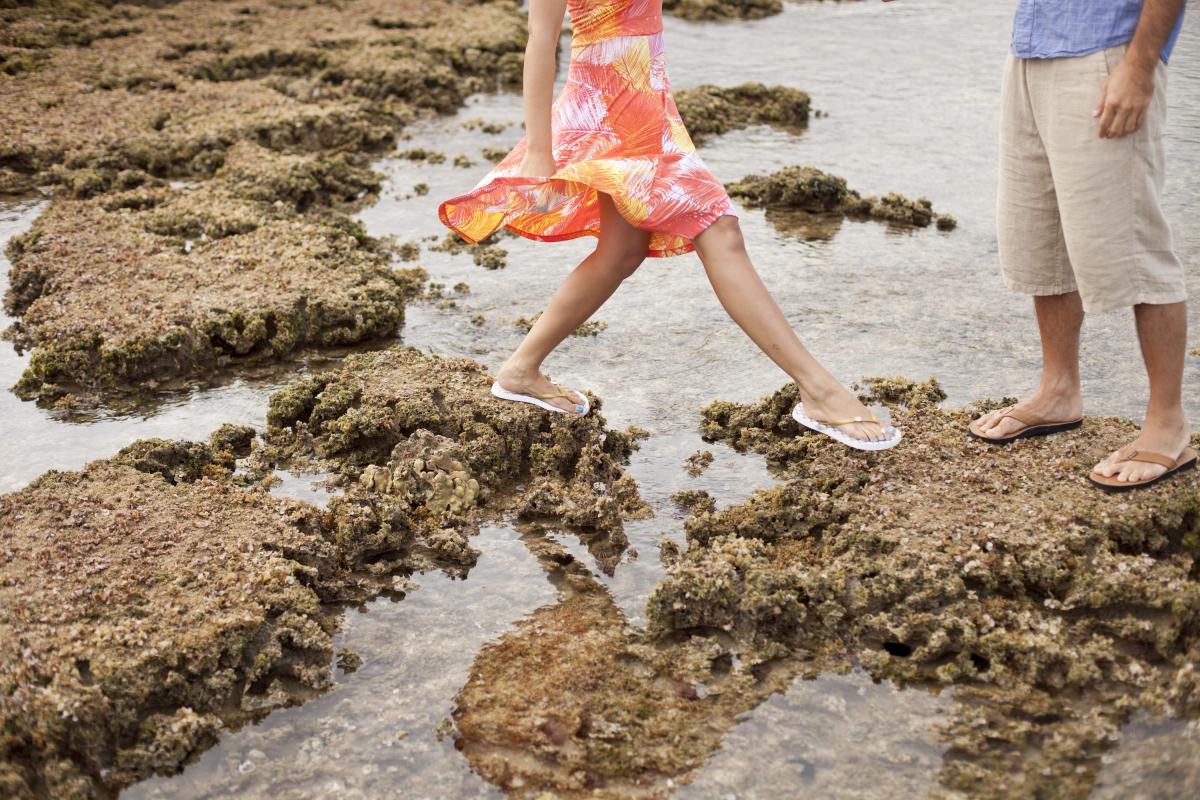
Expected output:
(1128, 120)
(1107, 120)
(1141, 119)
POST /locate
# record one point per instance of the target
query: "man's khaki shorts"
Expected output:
(1077, 212)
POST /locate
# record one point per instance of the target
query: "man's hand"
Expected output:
(1124, 98)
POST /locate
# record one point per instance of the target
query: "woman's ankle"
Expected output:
(517, 370)
(821, 390)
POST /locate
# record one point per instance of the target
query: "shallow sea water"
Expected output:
(910, 91)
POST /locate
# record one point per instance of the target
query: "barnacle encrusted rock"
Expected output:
(425, 469)
(424, 443)
(810, 190)
(145, 602)
(175, 86)
(1055, 610)
(709, 110)
(188, 280)
(269, 112)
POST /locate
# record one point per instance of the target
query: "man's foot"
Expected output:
(839, 403)
(1041, 405)
(1169, 437)
(534, 383)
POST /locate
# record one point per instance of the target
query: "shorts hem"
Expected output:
(1039, 290)
(1160, 297)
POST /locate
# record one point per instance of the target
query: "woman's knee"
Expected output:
(723, 235)
(622, 262)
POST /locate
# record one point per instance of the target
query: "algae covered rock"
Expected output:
(1054, 609)
(107, 297)
(806, 189)
(722, 9)
(128, 280)
(172, 94)
(426, 445)
(139, 613)
(709, 110)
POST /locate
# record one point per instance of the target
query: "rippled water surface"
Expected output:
(911, 92)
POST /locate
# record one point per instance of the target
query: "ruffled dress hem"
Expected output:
(702, 222)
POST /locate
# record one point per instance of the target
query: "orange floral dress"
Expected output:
(616, 131)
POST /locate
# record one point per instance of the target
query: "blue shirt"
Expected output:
(1057, 28)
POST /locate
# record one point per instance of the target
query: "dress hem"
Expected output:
(517, 181)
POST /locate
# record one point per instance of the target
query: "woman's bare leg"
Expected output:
(751, 306)
(620, 251)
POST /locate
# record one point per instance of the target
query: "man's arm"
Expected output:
(1127, 92)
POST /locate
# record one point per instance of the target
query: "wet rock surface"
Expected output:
(423, 445)
(156, 597)
(174, 282)
(270, 111)
(1054, 610)
(805, 199)
(709, 110)
(145, 603)
(722, 9)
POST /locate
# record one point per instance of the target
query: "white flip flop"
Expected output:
(540, 400)
(831, 429)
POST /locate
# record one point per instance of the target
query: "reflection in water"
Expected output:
(1155, 758)
(832, 736)
(576, 702)
(380, 732)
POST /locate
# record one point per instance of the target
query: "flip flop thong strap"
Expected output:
(1148, 457)
(1026, 419)
(560, 393)
(837, 423)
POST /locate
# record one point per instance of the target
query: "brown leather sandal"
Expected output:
(1034, 426)
(1186, 461)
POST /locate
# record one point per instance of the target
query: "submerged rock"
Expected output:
(711, 110)
(1055, 610)
(142, 612)
(806, 189)
(610, 713)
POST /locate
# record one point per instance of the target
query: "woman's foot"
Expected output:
(837, 403)
(532, 382)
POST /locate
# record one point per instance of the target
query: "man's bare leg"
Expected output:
(1057, 398)
(1162, 331)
